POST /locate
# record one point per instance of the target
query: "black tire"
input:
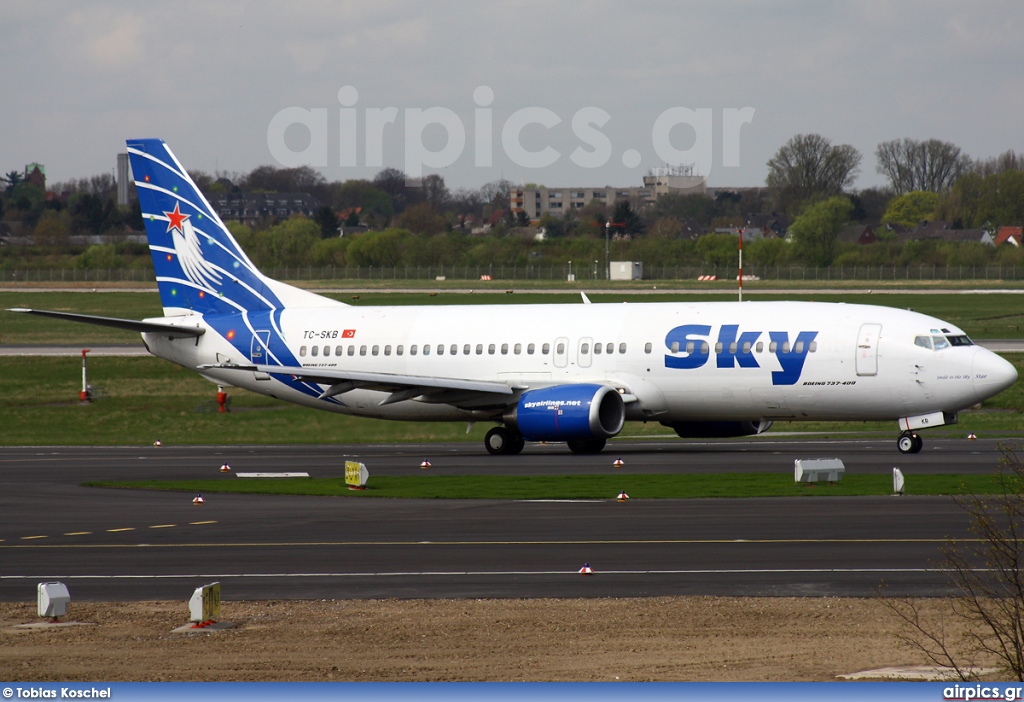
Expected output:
(498, 441)
(918, 443)
(906, 443)
(586, 446)
(516, 445)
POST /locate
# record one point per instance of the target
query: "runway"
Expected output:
(121, 545)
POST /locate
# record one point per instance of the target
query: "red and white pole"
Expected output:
(741, 265)
(85, 395)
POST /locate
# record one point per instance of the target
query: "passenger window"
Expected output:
(362, 350)
(772, 347)
(490, 349)
(785, 347)
(504, 349)
(440, 349)
(400, 350)
(545, 349)
(479, 349)
(674, 348)
(732, 347)
(327, 350)
(465, 349)
(939, 342)
(813, 346)
(597, 349)
(426, 349)
(387, 350)
(585, 348)
(302, 350)
(412, 350)
(610, 348)
(530, 348)
(315, 350)
(925, 342)
(560, 349)
(375, 350)
(799, 347)
(622, 347)
(517, 349)
(351, 350)
(746, 347)
(718, 347)
(339, 350)
(760, 346)
(648, 347)
(704, 348)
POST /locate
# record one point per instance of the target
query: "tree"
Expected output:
(987, 574)
(809, 167)
(328, 221)
(816, 231)
(271, 179)
(1009, 160)
(911, 209)
(393, 182)
(930, 165)
(12, 179)
(422, 218)
(625, 219)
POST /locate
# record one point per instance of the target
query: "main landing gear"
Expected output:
(909, 442)
(501, 441)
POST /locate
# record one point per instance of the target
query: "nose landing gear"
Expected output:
(909, 442)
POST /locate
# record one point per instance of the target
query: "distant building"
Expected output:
(1010, 235)
(537, 202)
(250, 208)
(860, 234)
(36, 175)
(123, 177)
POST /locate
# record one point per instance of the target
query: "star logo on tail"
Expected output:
(190, 253)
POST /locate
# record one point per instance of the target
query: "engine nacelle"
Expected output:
(719, 430)
(568, 412)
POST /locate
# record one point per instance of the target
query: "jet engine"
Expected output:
(568, 413)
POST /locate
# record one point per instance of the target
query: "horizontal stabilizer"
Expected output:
(171, 330)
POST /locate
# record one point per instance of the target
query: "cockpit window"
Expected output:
(939, 342)
(961, 340)
(924, 342)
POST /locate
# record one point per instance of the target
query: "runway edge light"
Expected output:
(198, 500)
(425, 464)
(586, 569)
(618, 463)
(225, 468)
(622, 496)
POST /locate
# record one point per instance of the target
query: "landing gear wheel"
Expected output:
(585, 446)
(909, 443)
(516, 445)
(497, 441)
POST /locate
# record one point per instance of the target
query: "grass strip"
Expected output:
(578, 487)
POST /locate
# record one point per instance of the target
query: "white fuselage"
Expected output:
(681, 361)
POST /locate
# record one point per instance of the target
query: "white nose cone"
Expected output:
(992, 374)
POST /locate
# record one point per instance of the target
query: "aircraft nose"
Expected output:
(992, 374)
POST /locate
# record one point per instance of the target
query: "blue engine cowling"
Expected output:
(568, 412)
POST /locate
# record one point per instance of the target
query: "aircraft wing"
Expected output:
(171, 330)
(460, 392)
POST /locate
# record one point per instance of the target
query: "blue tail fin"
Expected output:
(200, 268)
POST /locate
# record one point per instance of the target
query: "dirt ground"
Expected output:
(668, 639)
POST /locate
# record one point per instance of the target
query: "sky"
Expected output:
(559, 94)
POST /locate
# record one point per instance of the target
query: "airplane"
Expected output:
(572, 373)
